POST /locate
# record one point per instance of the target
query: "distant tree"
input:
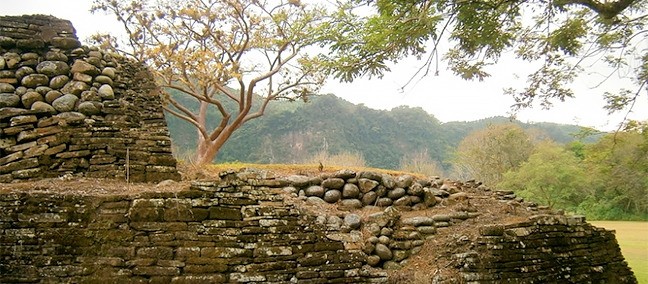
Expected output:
(563, 38)
(218, 51)
(552, 176)
(618, 164)
(487, 154)
(420, 162)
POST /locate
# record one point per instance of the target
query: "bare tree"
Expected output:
(219, 53)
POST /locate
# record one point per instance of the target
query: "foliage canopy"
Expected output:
(562, 38)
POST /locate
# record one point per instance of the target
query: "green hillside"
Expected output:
(294, 132)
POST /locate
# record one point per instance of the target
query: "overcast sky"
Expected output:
(446, 96)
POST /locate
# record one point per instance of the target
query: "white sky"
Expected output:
(446, 96)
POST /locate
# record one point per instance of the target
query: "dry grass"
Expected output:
(305, 169)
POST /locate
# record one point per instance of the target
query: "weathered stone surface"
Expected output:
(348, 204)
(333, 183)
(11, 59)
(89, 108)
(332, 196)
(6, 88)
(9, 100)
(110, 72)
(106, 92)
(384, 202)
(81, 66)
(369, 198)
(65, 42)
(404, 181)
(59, 81)
(30, 98)
(418, 221)
(383, 252)
(53, 68)
(350, 191)
(75, 88)
(353, 221)
(416, 189)
(315, 190)
(35, 80)
(43, 107)
(403, 201)
(396, 193)
(344, 174)
(366, 184)
(65, 103)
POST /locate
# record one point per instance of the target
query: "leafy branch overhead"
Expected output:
(220, 52)
(563, 38)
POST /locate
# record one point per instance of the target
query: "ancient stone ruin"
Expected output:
(72, 109)
(253, 227)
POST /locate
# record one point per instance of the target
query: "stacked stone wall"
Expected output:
(546, 249)
(246, 228)
(72, 109)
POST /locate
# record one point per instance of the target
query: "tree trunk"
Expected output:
(207, 150)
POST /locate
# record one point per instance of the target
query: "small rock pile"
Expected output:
(388, 240)
(356, 190)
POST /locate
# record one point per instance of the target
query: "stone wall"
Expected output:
(72, 109)
(546, 249)
(251, 228)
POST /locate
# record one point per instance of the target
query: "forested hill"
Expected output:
(295, 132)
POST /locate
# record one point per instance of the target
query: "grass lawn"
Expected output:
(633, 240)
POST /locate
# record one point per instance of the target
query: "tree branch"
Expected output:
(607, 10)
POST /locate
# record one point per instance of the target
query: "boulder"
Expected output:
(383, 252)
(371, 175)
(109, 71)
(404, 181)
(384, 202)
(53, 68)
(350, 204)
(350, 191)
(81, 66)
(89, 108)
(353, 221)
(332, 183)
(11, 60)
(6, 88)
(30, 98)
(403, 201)
(75, 88)
(9, 100)
(65, 103)
(369, 198)
(35, 80)
(396, 193)
(42, 106)
(65, 43)
(367, 185)
(344, 174)
(418, 221)
(332, 196)
(51, 96)
(56, 56)
(59, 81)
(315, 190)
(415, 189)
(388, 181)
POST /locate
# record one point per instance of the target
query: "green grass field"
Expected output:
(633, 240)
